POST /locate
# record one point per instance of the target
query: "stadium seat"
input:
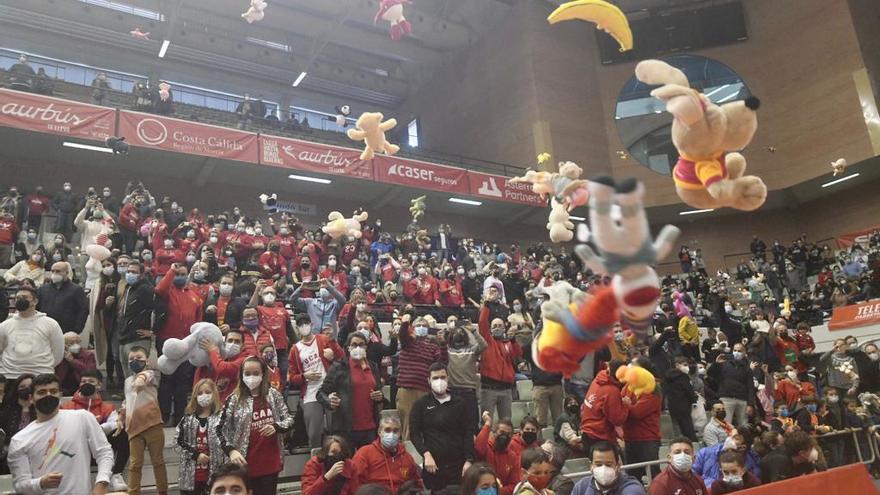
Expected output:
(6, 484)
(547, 433)
(576, 465)
(413, 452)
(666, 430)
(518, 411)
(524, 389)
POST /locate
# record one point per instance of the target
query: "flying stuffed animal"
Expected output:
(339, 226)
(606, 16)
(255, 11)
(417, 208)
(342, 114)
(838, 166)
(558, 223)
(392, 11)
(176, 351)
(709, 173)
(164, 91)
(681, 308)
(628, 255)
(637, 379)
(560, 295)
(543, 158)
(371, 130)
(140, 35)
(566, 185)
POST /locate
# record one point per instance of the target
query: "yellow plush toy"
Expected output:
(371, 130)
(338, 225)
(637, 379)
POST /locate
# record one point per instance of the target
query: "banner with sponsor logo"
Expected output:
(855, 315)
(423, 175)
(847, 480)
(56, 116)
(291, 207)
(500, 189)
(156, 131)
(314, 157)
(860, 237)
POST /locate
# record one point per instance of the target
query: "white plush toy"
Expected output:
(176, 351)
(342, 114)
(339, 226)
(255, 11)
(371, 130)
(558, 223)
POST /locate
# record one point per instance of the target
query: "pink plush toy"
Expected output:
(392, 11)
(681, 308)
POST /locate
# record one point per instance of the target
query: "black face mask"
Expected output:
(501, 442)
(22, 304)
(24, 393)
(47, 405)
(573, 409)
(529, 437)
(720, 415)
(330, 460)
(87, 389)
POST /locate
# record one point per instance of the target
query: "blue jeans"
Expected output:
(576, 389)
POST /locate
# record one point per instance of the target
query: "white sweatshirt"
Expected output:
(30, 345)
(64, 444)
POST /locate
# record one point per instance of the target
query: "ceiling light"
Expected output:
(694, 212)
(86, 147)
(305, 178)
(302, 75)
(465, 201)
(164, 48)
(577, 219)
(842, 179)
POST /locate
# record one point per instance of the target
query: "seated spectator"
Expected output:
(735, 477)
(30, 341)
(31, 268)
(16, 412)
(230, 478)
(492, 445)
(331, 470)
(560, 484)
(536, 473)
(708, 465)
(567, 429)
(529, 435)
(76, 361)
(606, 477)
(479, 479)
(385, 461)
(717, 429)
(796, 457)
(678, 478)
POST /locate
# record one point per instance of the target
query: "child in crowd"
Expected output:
(143, 422)
(200, 452)
(734, 475)
(536, 473)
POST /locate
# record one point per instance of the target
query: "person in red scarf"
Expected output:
(224, 371)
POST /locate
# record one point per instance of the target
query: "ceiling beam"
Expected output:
(519, 216)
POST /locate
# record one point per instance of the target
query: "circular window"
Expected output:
(644, 125)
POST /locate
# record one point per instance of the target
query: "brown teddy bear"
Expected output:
(709, 173)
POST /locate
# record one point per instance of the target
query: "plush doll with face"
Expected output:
(255, 11)
(558, 223)
(338, 225)
(638, 380)
(371, 130)
(710, 171)
(392, 11)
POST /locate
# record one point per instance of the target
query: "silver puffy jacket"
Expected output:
(187, 431)
(234, 428)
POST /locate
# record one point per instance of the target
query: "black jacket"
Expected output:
(442, 429)
(232, 316)
(339, 380)
(67, 202)
(138, 312)
(734, 379)
(67, 304)
(678, 389)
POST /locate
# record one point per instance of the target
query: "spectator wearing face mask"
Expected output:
(529, 435)
(567, 430)
(450, 292)
(30, 244)
(272, 264)
(385, 461)
(497, 365)
(64, 301)
(336, 275)
(165, 257)
(842, 369)
(735, 384)
(717, 429)
(223, 371)
(423, 289)
(274, 317)
(641, 431)
(66, 203)
(331, 470)
(603, 410)
(678, 478)
(417, 352)
(606, 477)
(870, 372)
(492, 445)
(472, 287)
(790, 389)
(76, 361)
(224, 307)
(708, 465)
(8, 234)
(322, 310)
(31, 268)
(37, 204)
(129, 223)
(681, 397)
(466, 345)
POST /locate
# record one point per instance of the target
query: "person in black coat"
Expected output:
(133, 321)
(64, 301)
(18, 400)
(664, 349)
(735, 386)
(680, 396)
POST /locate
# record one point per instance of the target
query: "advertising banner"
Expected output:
(855, 315)
(423, 175)
(55, 116)
(500, 189)
(314, 157)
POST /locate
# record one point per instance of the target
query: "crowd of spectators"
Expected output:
(748, 397)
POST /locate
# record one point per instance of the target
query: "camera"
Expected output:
(117, 144)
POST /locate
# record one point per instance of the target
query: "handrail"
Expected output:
(749, 253)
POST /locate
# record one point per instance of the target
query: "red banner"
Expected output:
(314, 157)
(500, 189)
(56, 116)
(156, 131)
(847, 480)
(861, 237)
(855, 315)
(423, 175)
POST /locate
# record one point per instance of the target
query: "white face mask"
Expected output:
(361, 306)
(331, 263)
(269, 298)
(604, 475)
(225, 290)
(814, 456)
(57, 278)
(107, 270)
(682, 462)
(685, 369)
(74, 348)
(305, 330)
(357, 353)
(232, 350)
(875, 356)
(439, 386)
(792, 375)
(205, 400)
(252, 382)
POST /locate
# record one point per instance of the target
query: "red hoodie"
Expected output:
(603, 409)
(295, 373)
(643, 422)
(314, 483)
(374, 465)
(100, 409)
(506, 464)
(223, 372)
(184, 307)
(497, 360)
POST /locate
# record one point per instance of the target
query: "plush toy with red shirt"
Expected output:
(709, 172)
(392, 11)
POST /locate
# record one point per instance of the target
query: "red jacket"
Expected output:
(129, 218)
(374, 465)
(506, 464)
(339, 279)
(184, 308)
(251, 345)
(223, 372)
(313, 482)
(295, 368)
(450, 293)
(424, 291)
(164, 258)
(787, 391)
(287, 243)
(8, 230)
(100, 409)
(519, 445)
(275, 319)
(272, 264)
(602, 409)
(85, 360)
(669, 482)
(37, 204)
(643, 422)
(497, 360)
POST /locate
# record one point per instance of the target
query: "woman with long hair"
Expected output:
(251, 426)
(479, 479)
(331, 470)
(16, 412)
(200, 452)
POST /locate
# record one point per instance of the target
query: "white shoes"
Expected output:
(117, 483)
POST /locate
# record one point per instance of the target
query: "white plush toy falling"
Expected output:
(255, 11)
(838, 166)
(342, 114)
(558, 223)
(371, 130)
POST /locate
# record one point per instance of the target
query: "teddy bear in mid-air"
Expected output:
(709, 172)
(558, 223)
(371, 130)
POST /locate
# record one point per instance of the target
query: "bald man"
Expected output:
(76, 360)
(64, 301)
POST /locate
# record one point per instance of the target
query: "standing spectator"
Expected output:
(143, 422)
(758, 248)
(492, 445)
(717, 429)
(331, 470)
(465, 348)
(735, 386)
(677, 478)
(74, 433)
(129, 223)
(133, 314)
(605, 477)
(275, 318)
(708, 464)
(21, 74)
(417, 352)
(441, 432)
(310, 359)
(245, 112)
(252, 425)
(547, 393)
(323, 310)
(141, 93)
(66, 204)
(37, 205)
(735, 477)
(689, 334)
(8, 236)
(681, 397)
(64, 301)
(641, 431)
(604, 409)
(497, 365)
(197, 438)
(385, 461)
(838, 359)
(14, 204)
(223, 371)
(352, 389)
(76, 361)
(100, 85)
(30, 342)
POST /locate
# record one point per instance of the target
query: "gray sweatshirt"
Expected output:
(462, 367)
